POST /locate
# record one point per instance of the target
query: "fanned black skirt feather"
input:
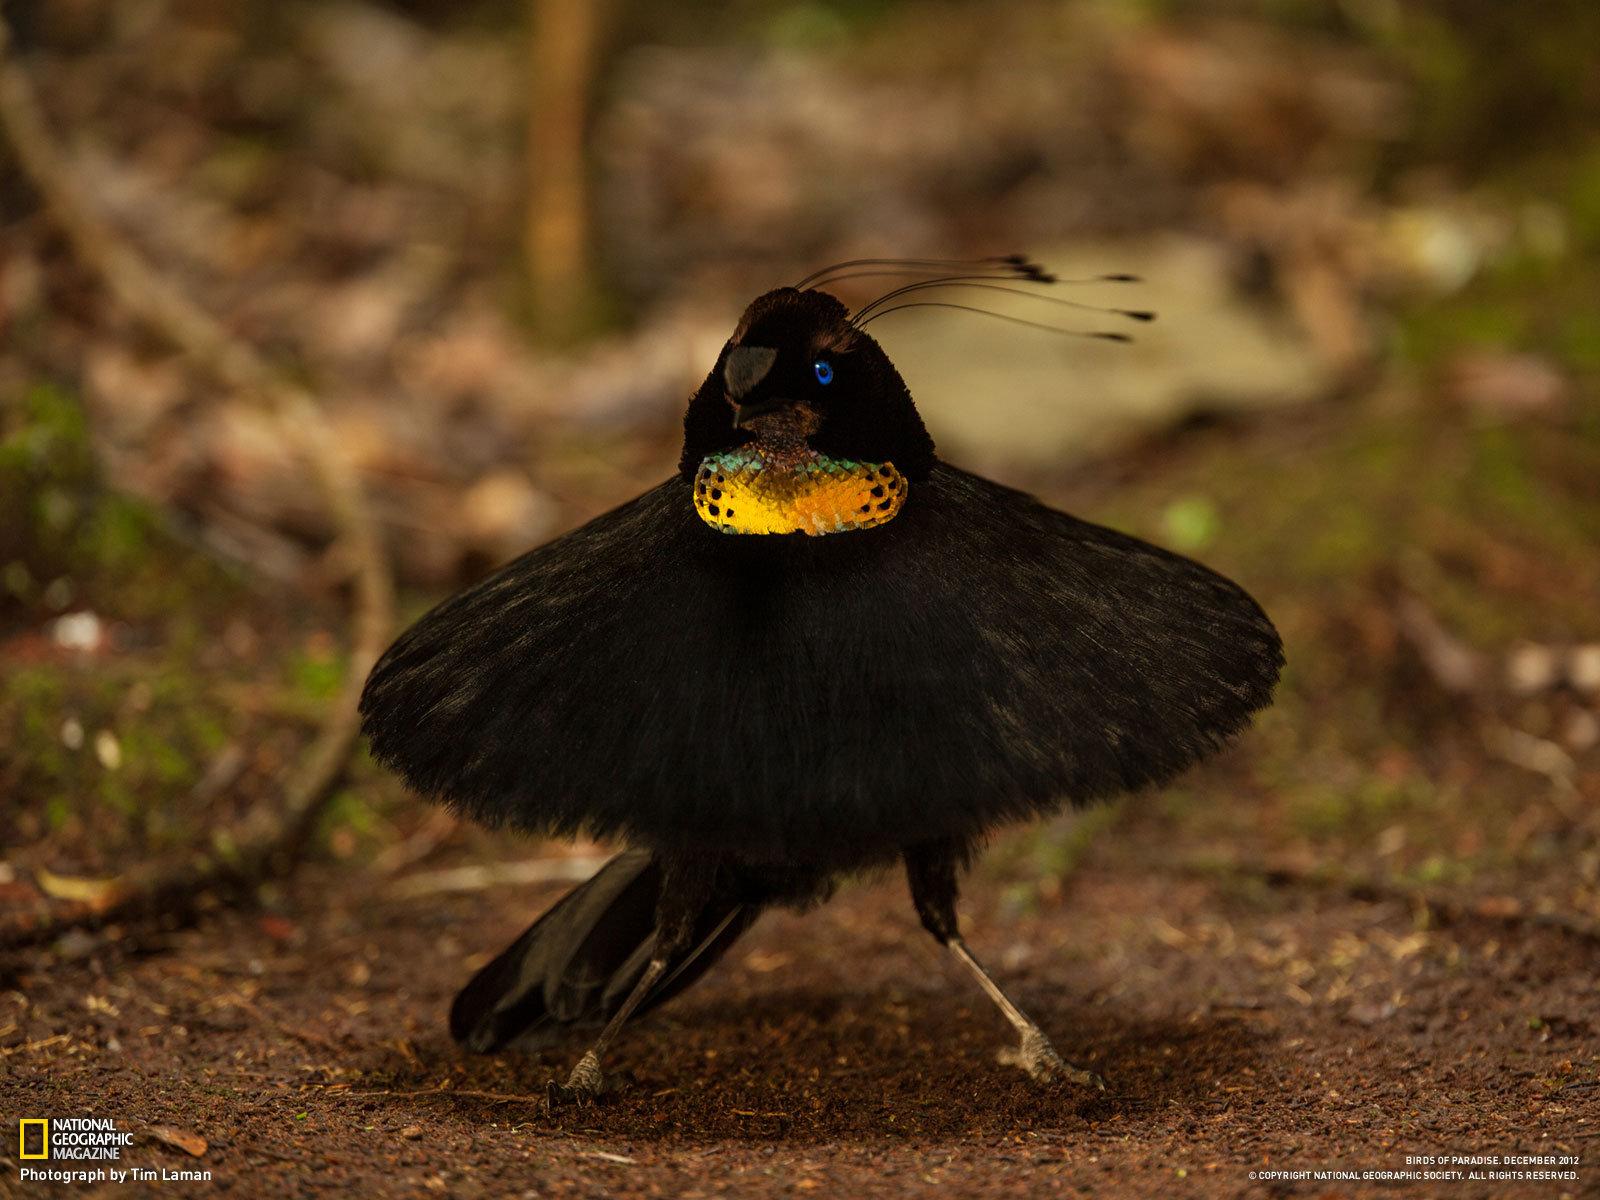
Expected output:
(979, 659)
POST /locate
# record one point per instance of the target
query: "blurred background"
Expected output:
(500, 242)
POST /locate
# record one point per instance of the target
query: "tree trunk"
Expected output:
(564, 57)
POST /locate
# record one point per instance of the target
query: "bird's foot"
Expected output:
(583, 1086)
(1039, 1059)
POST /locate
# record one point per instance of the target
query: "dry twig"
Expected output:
(271, 841)
(461, 1093)
(574, 869)
(1439, 909)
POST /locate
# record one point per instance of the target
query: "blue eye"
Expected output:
(824, 370)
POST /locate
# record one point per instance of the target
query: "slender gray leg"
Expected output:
(931, 869)
(586, 1081)
(685, 891)
(1033, 1052)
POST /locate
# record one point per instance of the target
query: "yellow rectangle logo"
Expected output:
(43, 1126)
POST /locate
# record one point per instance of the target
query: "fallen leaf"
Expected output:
(279, 929)
(97, 893)
(1498, 906)
(763, 962)
(180, 1139)
(1507, 383)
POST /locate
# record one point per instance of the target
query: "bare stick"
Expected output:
(566, 43)
(1442, 909)
(269, 841)
(478, 878)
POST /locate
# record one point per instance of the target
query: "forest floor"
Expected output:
(1241, 1024)
(1370, 931)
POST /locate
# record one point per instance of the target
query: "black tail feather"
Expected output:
(576, 964)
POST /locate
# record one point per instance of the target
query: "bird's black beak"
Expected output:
(743, 414)
(745, 368)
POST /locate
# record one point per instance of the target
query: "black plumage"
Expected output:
(978, 660)
(757, 713)
(577, 963)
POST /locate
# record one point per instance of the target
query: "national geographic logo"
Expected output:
(70, 1138)
(63, 1144)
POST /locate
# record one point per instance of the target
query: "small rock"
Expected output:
(108, 750)
(1583, 668)
(1532, 668)
(411, 1132)
(81, 631)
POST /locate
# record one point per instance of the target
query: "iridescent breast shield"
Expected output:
(740, 491)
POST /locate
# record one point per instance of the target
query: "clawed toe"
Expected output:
(557, 1095)
(1039, 1059)
(583, 1086)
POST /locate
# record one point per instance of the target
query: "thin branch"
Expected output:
(574, 869)
(271, 841)
(1443, 910)
(438, 829)
(447, 1092)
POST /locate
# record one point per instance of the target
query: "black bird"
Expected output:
(815, 649)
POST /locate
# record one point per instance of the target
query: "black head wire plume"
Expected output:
(1000, 274)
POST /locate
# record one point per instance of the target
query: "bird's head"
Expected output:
(796, 380)
(804, 425)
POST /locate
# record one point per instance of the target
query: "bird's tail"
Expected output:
(576, 964)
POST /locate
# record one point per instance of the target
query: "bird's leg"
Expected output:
(1033, 1052)
(685, 890)
(931, 868)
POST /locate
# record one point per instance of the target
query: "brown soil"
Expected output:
(1239, 1029)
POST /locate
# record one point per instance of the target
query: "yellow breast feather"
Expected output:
(738, 491)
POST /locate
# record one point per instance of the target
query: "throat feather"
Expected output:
(762, 490)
